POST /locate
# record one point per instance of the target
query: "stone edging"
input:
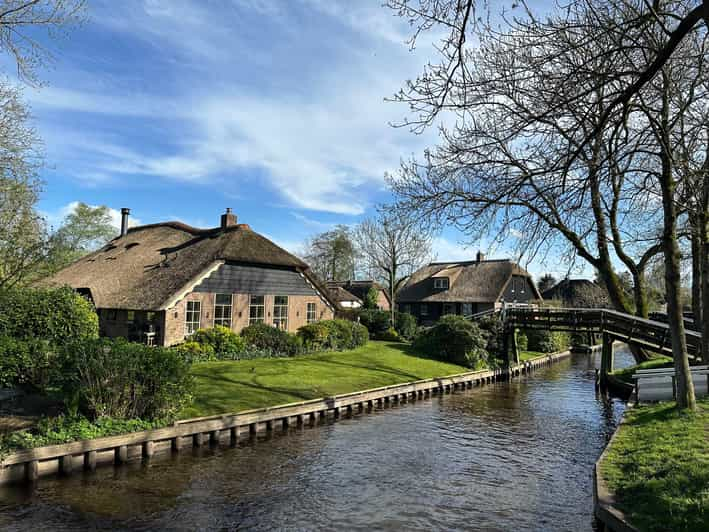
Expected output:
(604, 507)
(30, 464)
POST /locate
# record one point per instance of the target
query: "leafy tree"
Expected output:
(332, 255)
(370, 300)
(83, 230)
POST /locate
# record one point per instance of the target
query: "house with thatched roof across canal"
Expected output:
(159, 283)
(465, 288)
(359, 290)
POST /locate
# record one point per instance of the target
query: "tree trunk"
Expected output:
(685, 388)
(704, 253)
(697, 273)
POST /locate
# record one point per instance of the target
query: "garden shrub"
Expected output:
(545, 341)
(333, 334)
(226, 344)
(453, 339)
(123, 380)
(196, 352)
(30, 363)
(494, 332)
(405, 325)
(58, 315)
(390, 335)
(376, 321)
(522, 341)
(264, 337)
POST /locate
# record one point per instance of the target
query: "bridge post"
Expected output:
(510, 349)
(606, 358)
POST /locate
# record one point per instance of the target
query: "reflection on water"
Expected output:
(506, 456)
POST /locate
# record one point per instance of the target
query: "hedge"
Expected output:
(57, 315)
(453, 339)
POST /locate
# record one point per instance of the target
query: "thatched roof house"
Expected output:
(167, 279)
(346, 300)
(578, 293)
(360, 289)
(465, 288)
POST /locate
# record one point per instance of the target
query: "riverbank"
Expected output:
(657, 468)
(233, 386)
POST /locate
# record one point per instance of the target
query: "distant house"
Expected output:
(360, 289)
(575, 293)
(159, 283)
(346, 300)
(465, 288)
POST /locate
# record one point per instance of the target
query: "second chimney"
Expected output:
(480, 256)
(228, 219)
(125, 212)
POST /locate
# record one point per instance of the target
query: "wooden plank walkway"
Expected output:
(653, 335)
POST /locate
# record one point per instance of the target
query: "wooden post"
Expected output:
(197, 439)
(175, 444)
(214, 437)
(606, 359)
(32, 471)
(66, 464)
(90, 460)
(120, 454)
(148, 449)
(234, 435)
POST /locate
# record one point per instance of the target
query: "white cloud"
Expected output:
(446, 251)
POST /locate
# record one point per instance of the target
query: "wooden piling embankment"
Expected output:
(30, 464)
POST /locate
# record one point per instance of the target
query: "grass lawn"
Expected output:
(658, 467)
(626, 374)
(529, 355)
(230, 386)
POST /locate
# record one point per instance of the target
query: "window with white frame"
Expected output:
(222, 310)
(257, 309)
(441, 283)
(310, 313)
(423, 309)
(193, 313)
(280, 312)
(467, 309)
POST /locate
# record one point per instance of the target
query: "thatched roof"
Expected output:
(147, 267)
(341, 295)
(569, 291)
(470, 282)
(358, 288)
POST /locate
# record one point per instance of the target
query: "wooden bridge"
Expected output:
(612, 325)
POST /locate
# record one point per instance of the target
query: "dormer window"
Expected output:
(441, 283)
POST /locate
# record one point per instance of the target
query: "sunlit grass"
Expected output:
(658, 467)
(626, 374)
(229, 386)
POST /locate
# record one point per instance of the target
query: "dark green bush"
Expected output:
(58, 315)
(494, 331)
(315, 336)
(30, 363)
(545, 341)
(405, 325)
(522, 341)
(333, 334)
(124, 380)
(453, 339)
(390, 335)
(376, 321)
(264, 337)
(226, 344)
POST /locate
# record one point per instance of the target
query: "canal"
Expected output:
(508, 456)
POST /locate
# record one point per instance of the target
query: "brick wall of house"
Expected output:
(382, 301)
(297, 305)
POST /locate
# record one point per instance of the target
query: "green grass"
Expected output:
(658, 467)
(529, 355)
(230, 386)
(626, 374)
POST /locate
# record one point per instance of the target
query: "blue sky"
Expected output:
(179, 109)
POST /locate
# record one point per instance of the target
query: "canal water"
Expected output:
(507, 456)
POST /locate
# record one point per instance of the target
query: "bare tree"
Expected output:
(332, 255)
(21, 23)
(392, 247)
